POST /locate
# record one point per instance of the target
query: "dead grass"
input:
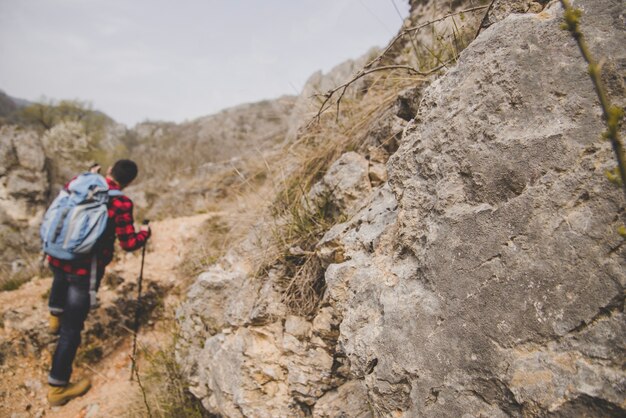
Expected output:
(166, 387)
(338, 130)
(300, 224)
(13, 280)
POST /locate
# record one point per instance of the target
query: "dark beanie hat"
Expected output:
(124, 171)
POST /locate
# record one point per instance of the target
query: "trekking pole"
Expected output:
(138, 307)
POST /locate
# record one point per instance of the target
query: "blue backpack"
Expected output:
(77, 217)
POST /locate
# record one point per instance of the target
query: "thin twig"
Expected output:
(612, 114)
(324, 107)
(417, 28)
(143, 390)
(367, 68)
(95, 371)
(484, 20)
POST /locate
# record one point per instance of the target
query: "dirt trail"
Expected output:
(22, 378)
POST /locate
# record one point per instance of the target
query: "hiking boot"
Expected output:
(54, 324)
(60, 395)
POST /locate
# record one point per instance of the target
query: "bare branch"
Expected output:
(484, 21)
(343, 87)
(367, 68)
(413, 29)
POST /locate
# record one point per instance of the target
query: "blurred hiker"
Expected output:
(78, 234)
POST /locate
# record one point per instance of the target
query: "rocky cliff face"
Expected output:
(486, 278)
(24, 189)
(188, 167)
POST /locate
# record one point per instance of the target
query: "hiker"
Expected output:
(75, 281)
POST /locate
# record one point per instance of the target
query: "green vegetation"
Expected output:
(48, 113)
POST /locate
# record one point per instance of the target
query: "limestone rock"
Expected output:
(344, 185)
(260, 371)
(511, 224)
(348, 400)
(68, 146)
(27, 184)
(29, 150)
(377, 174)
(23, 179)
(363, 231)
(297, 327)
(504, 271)
(485, 278)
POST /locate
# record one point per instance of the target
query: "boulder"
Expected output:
(343, 187)
(485, 278)
(506, 238)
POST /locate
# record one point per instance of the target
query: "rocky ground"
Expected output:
(26, 348)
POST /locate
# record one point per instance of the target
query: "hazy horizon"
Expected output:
(143, 60)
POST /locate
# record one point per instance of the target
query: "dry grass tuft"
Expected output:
(300, 224)
(166, 387)
(13, 280)
(303, 286)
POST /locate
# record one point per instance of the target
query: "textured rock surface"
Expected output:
(500, 9)
(67, 146)
(23, 178)
(503, 204)
(485, 279)
(344, 186)
(24, 188)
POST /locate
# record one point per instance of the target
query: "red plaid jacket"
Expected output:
(120, 224)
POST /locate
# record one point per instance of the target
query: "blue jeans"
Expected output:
(69, 299)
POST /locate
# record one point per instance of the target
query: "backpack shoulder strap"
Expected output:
(114, 193)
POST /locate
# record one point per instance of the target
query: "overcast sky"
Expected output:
(176, 60)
